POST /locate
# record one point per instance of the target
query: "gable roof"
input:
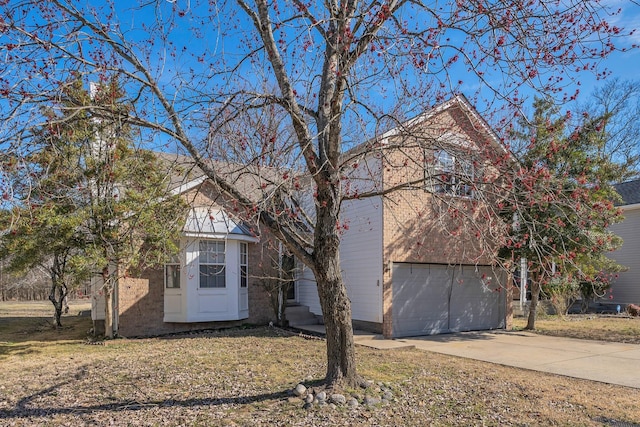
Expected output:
(253, 181)
(629, 191)
(458, 101)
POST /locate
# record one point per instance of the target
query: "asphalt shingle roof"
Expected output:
(629, 191)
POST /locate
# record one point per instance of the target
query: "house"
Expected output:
(215, 279)
(625, 289)
(412, 260)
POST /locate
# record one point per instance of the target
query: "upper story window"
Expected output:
(212, 264)
(452, 174)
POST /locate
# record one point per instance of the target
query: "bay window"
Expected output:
(212, 264)
(209, 280)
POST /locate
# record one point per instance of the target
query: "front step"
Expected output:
(299, 315)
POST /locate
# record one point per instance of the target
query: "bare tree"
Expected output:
(618, 101)
(333, 71)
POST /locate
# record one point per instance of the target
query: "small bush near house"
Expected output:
(562, 293)
(633, 310)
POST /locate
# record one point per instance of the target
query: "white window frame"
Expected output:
(173, 278)
(214, 261)
(244, 265)
(452, 174)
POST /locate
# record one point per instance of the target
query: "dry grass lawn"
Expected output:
(615, 328)
(242, 377)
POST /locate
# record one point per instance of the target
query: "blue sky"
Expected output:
(173, 72)
(624, 65)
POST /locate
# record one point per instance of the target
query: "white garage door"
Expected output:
(434, 299)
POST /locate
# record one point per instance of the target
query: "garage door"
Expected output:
(434, 299)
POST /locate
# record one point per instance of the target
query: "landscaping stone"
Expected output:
(379, 394)
(299, 390)
(338, 399)
(371, 401)
(353, 402)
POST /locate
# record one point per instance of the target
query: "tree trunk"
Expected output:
(108, 312)
(334, 301)
(58, 291)
(287, 267)
(57, 301)
(282, 305)
(336, 311)
(107, 288)
(533, 307)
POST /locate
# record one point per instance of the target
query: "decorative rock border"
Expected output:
(376, 395)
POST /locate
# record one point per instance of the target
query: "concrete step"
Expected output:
(298, 315)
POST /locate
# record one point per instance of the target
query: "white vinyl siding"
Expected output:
(306, 289)
(360, 249)
(97, 298)
(361, 257)
(626, 288)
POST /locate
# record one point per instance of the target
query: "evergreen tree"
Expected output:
(561, 201)
(94, 203)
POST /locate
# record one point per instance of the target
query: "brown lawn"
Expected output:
(242, 377)
(616, 328)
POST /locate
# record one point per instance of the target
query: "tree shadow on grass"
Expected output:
(249, 330)
(7, 349)
(23, 409)
(23, 329)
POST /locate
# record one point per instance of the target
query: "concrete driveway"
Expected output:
(607, 362)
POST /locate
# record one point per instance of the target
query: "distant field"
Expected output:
(33, 321)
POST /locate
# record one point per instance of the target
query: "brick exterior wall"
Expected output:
(141, 299)
(420, 227)
(141, 303)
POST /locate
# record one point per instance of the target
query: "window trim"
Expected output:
(461, 173)
(178, 267)
(219, 268)
(244, 262)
